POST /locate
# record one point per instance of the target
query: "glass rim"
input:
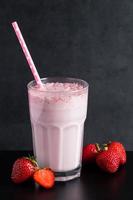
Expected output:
(32, 83)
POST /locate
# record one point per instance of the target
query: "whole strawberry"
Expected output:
(120, 150)
(23, 169)
(108, 160)
(90, 152)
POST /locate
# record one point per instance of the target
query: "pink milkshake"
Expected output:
(58, 112)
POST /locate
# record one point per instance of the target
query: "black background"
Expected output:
(87, 39)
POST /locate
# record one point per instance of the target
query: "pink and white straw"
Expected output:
(27, 53)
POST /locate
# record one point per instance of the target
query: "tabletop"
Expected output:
(93, 183)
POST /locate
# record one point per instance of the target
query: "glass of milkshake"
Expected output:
(57, 112)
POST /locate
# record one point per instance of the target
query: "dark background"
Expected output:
(88, 39)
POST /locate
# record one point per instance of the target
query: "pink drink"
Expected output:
(58, 112)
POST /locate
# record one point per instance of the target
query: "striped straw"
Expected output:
(27, 53)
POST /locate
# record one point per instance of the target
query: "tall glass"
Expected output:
(57, 121)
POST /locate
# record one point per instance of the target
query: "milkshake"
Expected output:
(58, 112)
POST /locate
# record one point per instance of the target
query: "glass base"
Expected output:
(68, 175)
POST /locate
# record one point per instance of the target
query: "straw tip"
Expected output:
(13, 23)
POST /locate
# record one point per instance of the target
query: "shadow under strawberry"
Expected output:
(101, 184)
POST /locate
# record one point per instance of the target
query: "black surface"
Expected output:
(92, 185)
(88, 39)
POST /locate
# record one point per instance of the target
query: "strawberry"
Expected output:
(44, 177)
(90, 152)
(23, 169)
(108, 160)
(119, 148)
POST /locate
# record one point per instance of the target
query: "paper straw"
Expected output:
(27, 53)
